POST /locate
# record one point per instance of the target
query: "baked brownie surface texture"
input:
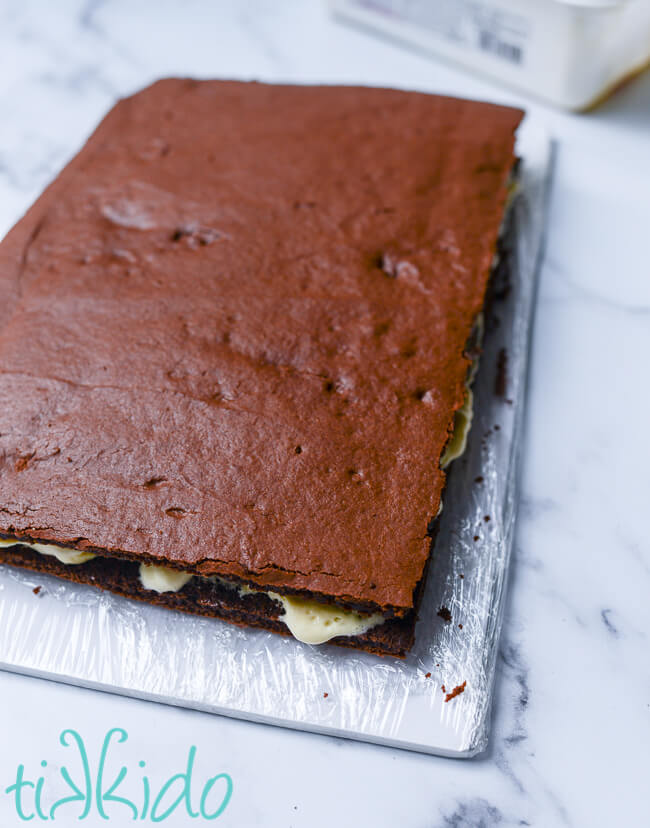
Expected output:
(233, 330)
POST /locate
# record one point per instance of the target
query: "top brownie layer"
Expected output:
(233, 330)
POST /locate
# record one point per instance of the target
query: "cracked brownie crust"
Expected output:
(233, 331)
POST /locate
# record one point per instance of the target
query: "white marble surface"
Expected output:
(571, 723)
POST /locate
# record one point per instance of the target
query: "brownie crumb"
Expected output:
(461, 575)
(325, 695)
(443, 688)
(460, 626)
(478, 479)
(497, 427)
(444, 613)
(427, 675)
(476, 537)
(501, 379)
(36, 590)
(487, 518)
(456, 691)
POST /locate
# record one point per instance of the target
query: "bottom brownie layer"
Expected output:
(203, 596)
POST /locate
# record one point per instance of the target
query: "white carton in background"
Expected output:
(569, 52)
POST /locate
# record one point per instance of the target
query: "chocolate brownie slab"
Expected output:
(233, 336)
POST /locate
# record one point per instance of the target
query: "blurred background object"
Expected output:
(573, 53)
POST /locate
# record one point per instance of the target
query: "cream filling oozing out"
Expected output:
(455, 448)
(462, 424)
(316, 623)
(162, 578)
(308, 621)
(313, 622)
(66, 556)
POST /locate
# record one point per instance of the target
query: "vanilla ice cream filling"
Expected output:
(316, 623)
(462, 424)
(308, 621)
(66, 556)
(463, 417)
(162, 578)
(311, 621)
